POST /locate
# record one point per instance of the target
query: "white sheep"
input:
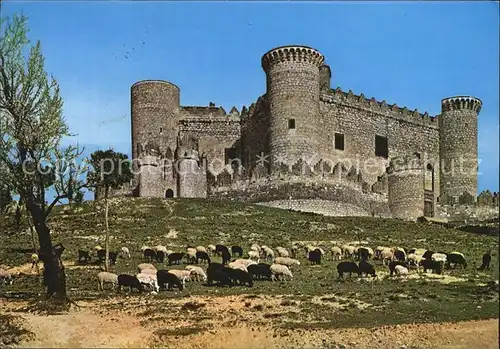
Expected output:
(245, 262)
(237, 265)
(282, 252)
(400, 270)
(336, 253)
(143, 266)
(201, 249)
(150, 280)
(279, 272)
(414, 259)
(98, 248)
(289, 262)
(105, 277)
(183, 275)
(349, 251)
(378, 251)
(387, 254)
(168, 252)
(268, 253)
(161, 248)
(439, 257)
(6, 276)
(191, 254)
(125, 252)
(148, 271)
(198, 272)
(211, 248)
(144, 247)
(294, 249)
(420, 251)
(254, 255)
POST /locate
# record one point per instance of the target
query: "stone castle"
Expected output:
(303, 145)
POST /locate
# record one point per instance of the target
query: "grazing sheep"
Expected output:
(394, 264)
(293, 251)
(239, 276)
(160, 257)
(83, 256)
(6, 277)
(486, 261)
(201, 249)
(149, 279)
(144, 247)
(144, 266)
(289, 262)
(219, 275)
(364, 253)
(435, 266)
(349, 251)
(282, 252)
(168, 280)
(129, 281)
(366, 268)
(378, 251)
(438, 257)
(456, 258)
(148, 271)
(336, 253)
(226, 257)
(237, 250)
(101, 255)
(183, 275)
(149, 254)
(125, 253)
(399, 254)
(314, 256)
(191, 255)
(211, 249)
(245, 262)
(254, 255)
(159, 248)
(428, 254)
(387, 254)
(280, 272)
(260, 271)
(219, 249)
(268, 253)
(347, 267)
(203, 256)
(417, 251)
(255, 248)
(414, 259)
(198, 272)
(175, 258)
(236, 265)
(400, 270)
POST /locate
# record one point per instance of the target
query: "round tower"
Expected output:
(293, 85)
(406, 187)
(154, 105)
(458, 145)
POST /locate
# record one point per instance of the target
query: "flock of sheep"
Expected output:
(265, 263)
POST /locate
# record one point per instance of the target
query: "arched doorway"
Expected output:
(169, 194)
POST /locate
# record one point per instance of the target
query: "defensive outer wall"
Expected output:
(303, 145)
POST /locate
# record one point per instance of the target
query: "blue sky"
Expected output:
(409, 53)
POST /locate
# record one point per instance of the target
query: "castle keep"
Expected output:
(304, 145)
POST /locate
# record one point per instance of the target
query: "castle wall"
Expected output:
(192, 179)
(324, 207)
(255, 132)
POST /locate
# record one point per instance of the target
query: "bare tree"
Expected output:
(32, 127)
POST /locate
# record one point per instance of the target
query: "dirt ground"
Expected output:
(133, 323)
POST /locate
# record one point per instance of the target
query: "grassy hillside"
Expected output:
(461, 294)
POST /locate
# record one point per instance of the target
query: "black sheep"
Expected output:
(237, 250)
(175, 257)
(366, 268)
(435, 266)
(428, 254)
(168, 280)
(214, 265)
(226, 257)
(149, 254)
(129, 281)
(101, 254)
(400, 255)
(486, 261)
(315, 256)
(239, 276)
(219, 249)
(393, 264)
(347, 267)
(216, 274)
(456, 259)
(203, 256)
(260, 271)
(160, 256)
(363, 253)
(84, 256)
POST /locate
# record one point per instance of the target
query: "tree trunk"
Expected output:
(54, 277)
(106, 210)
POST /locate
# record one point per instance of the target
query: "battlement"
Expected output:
(153, 82)
(148, 160)
(381, 107)
(293, 53)
(460, 103)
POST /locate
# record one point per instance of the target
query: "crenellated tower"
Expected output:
(293, 88)
(154, 106)
(458, 145)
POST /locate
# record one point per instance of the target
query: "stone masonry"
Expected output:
(302, 140)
